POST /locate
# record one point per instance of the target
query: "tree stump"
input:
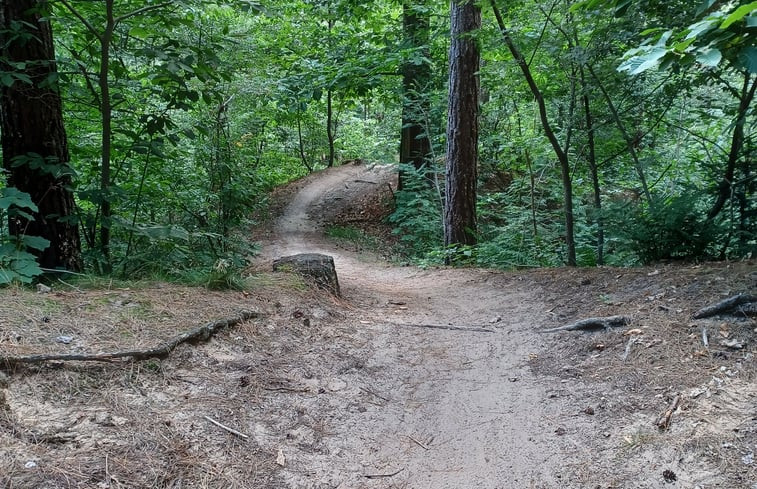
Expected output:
(320, 268)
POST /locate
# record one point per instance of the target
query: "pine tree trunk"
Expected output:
(462, 126)
(31, 122)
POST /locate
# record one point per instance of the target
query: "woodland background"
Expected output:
(624, 133)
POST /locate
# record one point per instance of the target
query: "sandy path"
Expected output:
(445, 408)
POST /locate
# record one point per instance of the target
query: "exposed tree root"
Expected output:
(590, 324)
(203, 333)
(737, 305)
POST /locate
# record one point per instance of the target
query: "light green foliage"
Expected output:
(216, 103)
(723, 33)
(16, 263)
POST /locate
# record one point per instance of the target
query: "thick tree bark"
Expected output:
(415, 146)
(462, 126)
(31, 122)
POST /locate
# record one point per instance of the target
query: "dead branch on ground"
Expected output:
(381, 476)
(472, 329)
(741, 304)
(663, 421)
(224, 427)
(203, 333)
(590, 324)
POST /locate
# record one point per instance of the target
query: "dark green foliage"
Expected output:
(675, 228)
(418, 215)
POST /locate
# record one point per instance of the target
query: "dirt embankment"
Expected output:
(424, 379)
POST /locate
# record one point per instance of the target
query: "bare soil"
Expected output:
(414, 378)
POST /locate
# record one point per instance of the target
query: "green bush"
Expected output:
(672, 228)
(417, 218)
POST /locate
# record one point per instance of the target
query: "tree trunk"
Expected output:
(630, 142)
(415, 146)
(562, 156)
(106, 112)
(31, 122)
(737, 143)
(592, 161)
(330, 126)
(462, 126)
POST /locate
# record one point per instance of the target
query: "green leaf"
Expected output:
(704, 6)
(26, 270)
(696, 30)
(643, 62)
(22, 78)
(622, 7)
(748, 58)
(7, 276)
(11, 196)
(6, 79)
(751, 21)
(738, 14)
(709, 57)
(35, 242)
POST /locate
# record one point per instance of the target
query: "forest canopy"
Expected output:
(141, 138)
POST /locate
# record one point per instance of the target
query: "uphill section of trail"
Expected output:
(436, 392)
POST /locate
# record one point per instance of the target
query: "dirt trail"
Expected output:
(359, 393)
(445, 408)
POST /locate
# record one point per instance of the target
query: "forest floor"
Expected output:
(414, 378)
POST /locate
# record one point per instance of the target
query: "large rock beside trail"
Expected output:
(320, 268)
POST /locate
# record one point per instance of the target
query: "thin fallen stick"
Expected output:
(472, 329)
(705, 341)
(203, 333)
(380, 476)
(223, 426)
(592, 324)
(417, 442)
(663, 421)
(728, 305)
(364, 389)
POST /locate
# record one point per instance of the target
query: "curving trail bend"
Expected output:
(413, 406)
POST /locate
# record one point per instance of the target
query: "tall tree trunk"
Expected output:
(415, 146)
(31, 122)
(737, 143)
(593, 168)
(462, 125)
(330, 126)
(630, 141)
(562, 156)
(106, 112)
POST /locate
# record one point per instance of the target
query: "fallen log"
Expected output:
(202, 333)
(741, 304)
(591, 324)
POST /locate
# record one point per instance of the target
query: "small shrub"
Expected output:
(418, 215)
(674, 228)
